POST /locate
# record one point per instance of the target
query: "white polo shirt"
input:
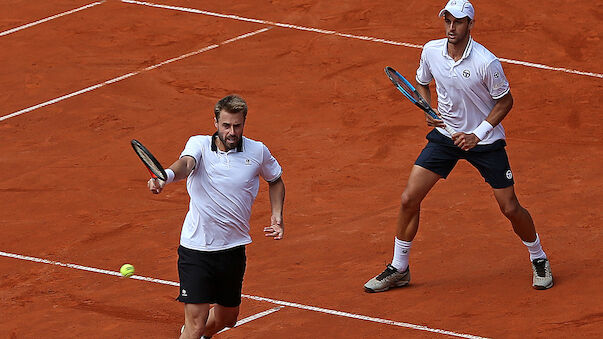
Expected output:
(222, 189)
(467, 88)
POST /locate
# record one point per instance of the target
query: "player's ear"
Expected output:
(215, 122)
(471, 23)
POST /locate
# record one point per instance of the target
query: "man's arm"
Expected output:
(500, 110)
(276, 191)
(425, 92)
(181, 169)
(496, 115)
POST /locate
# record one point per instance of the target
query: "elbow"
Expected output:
(509, 101)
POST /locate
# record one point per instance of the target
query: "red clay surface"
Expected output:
(73, 191)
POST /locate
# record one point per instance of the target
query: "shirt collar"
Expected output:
(465, 53)
(215, 148)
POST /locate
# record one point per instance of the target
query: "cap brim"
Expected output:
(455, 13)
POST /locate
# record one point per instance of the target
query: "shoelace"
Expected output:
(540, 267)
(388, 271)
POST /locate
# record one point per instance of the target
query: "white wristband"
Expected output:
(170, 175)
(482, 130)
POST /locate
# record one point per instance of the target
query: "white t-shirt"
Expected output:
(467, 88)
(222, 189)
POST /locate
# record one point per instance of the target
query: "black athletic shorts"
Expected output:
(211, 277)
(440, 155)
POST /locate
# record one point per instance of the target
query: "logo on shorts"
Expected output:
(247, 162)
(183, 293)
(466, 73)
(509, 175)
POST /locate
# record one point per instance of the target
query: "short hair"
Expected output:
(231, 104)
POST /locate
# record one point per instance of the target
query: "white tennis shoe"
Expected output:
(543, 277)
(390, 278)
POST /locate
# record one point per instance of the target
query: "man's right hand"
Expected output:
(433, 122)
(155, 185)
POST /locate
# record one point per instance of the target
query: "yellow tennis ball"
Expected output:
(127, 270)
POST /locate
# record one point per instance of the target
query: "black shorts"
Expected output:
(440, 155)
(211, 277)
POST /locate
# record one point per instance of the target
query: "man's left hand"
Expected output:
(276, 228)
(465, 141)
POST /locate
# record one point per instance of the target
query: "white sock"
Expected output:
(401, 253)
(535, 249)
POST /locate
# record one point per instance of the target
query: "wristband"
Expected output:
(170, 175)
(482, 130)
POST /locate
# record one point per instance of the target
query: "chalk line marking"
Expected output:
(253, 317)
(128, 75)
(256, 298)
(248, 319)
(50, 18)
(345, 35)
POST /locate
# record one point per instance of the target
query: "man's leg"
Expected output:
(518, 216)
(420, 182)
(523, 225)
(219, 318)
(397, 274)
(195, 318)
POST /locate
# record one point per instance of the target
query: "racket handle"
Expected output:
(449, 130)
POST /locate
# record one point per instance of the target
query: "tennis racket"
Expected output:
(411, 94)
(154, 167)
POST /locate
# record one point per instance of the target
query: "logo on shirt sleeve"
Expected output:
(247, 162)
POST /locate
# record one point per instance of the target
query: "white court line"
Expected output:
(50, 18)
(273, 301)
(352, 36)
(253, 317)
(125, 76)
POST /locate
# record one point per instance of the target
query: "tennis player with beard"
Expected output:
(222, 178)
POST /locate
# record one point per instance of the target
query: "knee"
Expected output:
(511, 209)
(195, 329)
(409, 202)
(228, 318)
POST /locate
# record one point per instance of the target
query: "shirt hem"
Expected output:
(214, 249)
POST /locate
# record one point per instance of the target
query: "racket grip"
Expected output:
(449, 130)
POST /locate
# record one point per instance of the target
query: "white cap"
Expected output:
(459, 9)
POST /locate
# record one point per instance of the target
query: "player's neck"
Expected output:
(456, 51)
(219, 144)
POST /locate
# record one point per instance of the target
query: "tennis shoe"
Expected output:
(389, 278)
(543, 277)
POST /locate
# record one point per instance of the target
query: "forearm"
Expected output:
(425, 92)
(276, 191)
(500, 109)
(496, 115)
(182, 167)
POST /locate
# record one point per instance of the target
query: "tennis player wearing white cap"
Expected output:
(473, 98)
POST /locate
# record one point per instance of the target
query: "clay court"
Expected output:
(80, 79)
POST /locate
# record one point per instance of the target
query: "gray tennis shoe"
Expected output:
(389, 278)
(543, 277)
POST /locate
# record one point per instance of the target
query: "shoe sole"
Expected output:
(538, 287)
(370, 290)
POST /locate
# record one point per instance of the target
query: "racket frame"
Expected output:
(154, 168)
(419, 101)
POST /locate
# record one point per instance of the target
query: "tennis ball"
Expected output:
(127, 270)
